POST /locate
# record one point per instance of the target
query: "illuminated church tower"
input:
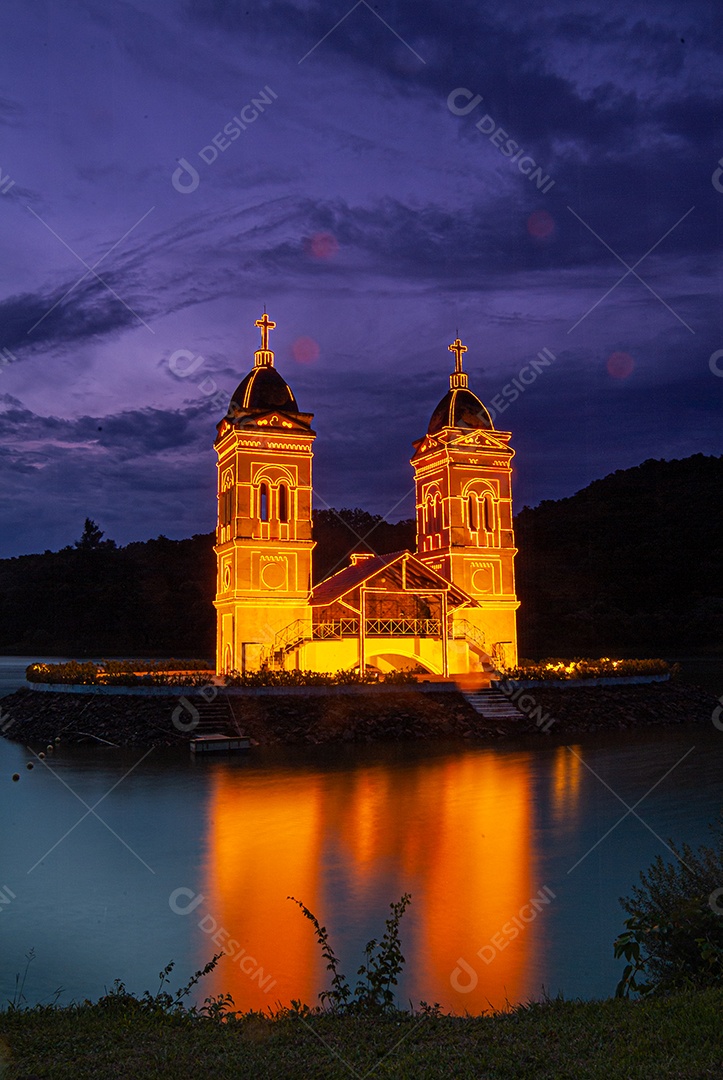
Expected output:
(462, 470)
(263, 537)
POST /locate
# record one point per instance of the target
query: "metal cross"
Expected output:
(265, 324)
(457, 348)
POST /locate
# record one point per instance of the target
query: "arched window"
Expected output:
(226, 500)
(437, 514)
(264, 502)
(489, 513)
(472, 511)
(283, 502)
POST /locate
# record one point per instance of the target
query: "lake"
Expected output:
(116, 862)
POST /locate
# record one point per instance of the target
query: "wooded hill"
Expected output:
(631, 564)
(148, 599)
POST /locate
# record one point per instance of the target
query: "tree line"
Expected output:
(631, 564)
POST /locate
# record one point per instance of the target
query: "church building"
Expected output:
(449, 608)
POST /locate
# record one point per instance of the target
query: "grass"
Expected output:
(676, 1037)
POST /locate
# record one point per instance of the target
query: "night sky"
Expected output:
(372, 202)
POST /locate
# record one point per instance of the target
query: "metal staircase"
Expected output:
(463, 628)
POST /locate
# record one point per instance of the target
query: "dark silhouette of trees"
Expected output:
(340, 532)
(92, 538)
(632, 564)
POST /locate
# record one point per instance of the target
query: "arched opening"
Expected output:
(228, 506)
(263, 502)
(472, 512)
(489, 513)
(429, 515)
(283, 502)
(385, 662)
(437, 514)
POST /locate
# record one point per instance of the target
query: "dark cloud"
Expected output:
(28, 321)
(10, 111)
(54, 472)
(430, 228)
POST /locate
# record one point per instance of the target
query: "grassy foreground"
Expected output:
(679, 1037)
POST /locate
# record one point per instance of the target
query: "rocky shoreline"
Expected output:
(37, 719)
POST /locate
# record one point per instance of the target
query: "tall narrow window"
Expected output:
(263, 502)
(437, 514)
(225, 505)
(283, 502)
(472, 512)
(489, 513)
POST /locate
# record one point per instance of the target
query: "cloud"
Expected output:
(10, 112)
(139, 472)
(29, 320)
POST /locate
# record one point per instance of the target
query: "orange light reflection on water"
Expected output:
(566, 780)
(455, 832)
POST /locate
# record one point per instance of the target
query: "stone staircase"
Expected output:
(215, 718)
(492, 704)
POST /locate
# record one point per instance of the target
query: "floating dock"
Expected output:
(225, 744)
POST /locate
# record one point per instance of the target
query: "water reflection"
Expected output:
(566, 770)
(454, 831)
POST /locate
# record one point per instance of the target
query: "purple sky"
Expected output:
(372, 219)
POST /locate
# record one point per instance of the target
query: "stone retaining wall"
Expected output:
(338, 716)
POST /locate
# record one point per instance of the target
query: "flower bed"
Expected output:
(556, 670)
(123, 673)
(317, 678)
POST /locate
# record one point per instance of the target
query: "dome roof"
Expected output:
(264, 389)
(460, 408)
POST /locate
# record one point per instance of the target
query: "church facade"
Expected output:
(449, 608)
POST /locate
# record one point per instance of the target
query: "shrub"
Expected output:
(72, 672)
(674, 936)
(270, 677)
(383, 963)
(122, 672)
(555, 669)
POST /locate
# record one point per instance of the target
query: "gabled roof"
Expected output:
(344, 581)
